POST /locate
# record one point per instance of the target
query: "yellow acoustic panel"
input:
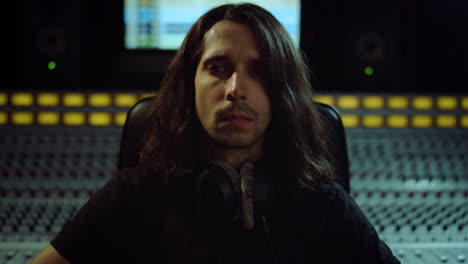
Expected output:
(348, 102)
(397, 121)
(74, 118)
(73, 99)
(325, 99)
(350, 120)
(22, 118)
(99, 100)
(373, 121)
(125, 100)
(3, 98)
(119, 118)
(146, 95)
(99, 119)
(446, 121)
(422, 121)
(373, 102)
(22, 99)
(464, 102)
(447, 102)
(464, 121)
(3, 118)
(422, 102)
(48, 118)
(397, 102)
(47, 99)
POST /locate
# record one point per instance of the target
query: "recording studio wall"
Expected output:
(387, 45)
(442, 41)
(69, 44)
(342, 38)
(363, 45)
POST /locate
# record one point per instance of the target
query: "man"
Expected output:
(234, 167)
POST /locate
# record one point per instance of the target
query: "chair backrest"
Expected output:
(135, 125)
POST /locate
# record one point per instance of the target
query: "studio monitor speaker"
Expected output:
(356, 45)
(51, 43)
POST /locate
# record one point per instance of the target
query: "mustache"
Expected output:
(235, 107)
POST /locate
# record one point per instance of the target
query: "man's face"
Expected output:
(230, 97)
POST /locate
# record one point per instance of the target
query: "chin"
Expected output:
(235, 142)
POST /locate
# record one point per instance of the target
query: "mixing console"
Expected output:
(413, 186)
(411, 183)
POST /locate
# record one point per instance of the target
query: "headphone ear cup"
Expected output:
(213, 197)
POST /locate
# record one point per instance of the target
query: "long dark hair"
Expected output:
(295, 140)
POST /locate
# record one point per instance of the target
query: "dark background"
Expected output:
(413, 46)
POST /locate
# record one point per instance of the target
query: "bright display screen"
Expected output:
(163, 24)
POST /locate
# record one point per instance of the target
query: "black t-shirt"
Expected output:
(132, 220)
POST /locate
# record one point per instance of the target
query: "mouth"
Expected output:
(237, 119)
(228, 117)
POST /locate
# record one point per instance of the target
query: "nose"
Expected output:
(236, 89)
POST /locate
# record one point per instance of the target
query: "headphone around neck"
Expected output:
(218, 194)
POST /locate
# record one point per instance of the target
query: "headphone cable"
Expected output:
(270, 243)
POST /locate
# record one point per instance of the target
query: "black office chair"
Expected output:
(134, 127)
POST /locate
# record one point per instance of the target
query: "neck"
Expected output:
(233, 156)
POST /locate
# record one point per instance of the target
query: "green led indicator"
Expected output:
(51, 65)
(369, 70)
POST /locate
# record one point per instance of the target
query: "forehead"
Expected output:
(230, 39)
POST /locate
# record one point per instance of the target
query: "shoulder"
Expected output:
(349, 229)
(333, 210)
(116, 212)
(126, 189)
(339, 205)
(325, 194)
(331, 189)
(134, 175)
(312, 208)
(134, 180)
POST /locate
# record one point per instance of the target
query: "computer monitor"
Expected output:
(156, 24)
(155, 29)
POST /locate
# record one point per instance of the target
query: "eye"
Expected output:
(216, 68)
(258, 71)
(220, 70)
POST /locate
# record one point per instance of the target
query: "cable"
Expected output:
(267, 231)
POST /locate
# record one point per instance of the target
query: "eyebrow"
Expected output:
(219, 58)
(224, 58)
